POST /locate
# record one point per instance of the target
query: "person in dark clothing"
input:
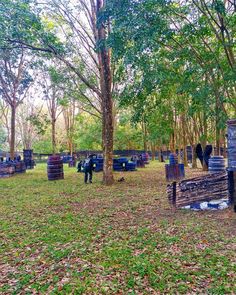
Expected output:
(88, 169)
(199, 153)
(79, 166)
(207, 154)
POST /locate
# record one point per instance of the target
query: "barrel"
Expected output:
(216, 164)
(28, 159)
(55, 168)
(173, 159)
(6, 170)
(231, 140)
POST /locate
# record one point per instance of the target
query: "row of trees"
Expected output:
(34, 130)
(172, 63)
(178, 68)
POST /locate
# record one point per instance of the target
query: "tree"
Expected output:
(173, 48)
(33, 35)
(53, 94)
(31, 122)
(15, 81)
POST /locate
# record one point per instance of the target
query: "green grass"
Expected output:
(65, 237)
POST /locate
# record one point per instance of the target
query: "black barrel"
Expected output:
(231, 134)
(28, 159)
(216, 164)
(55, 168)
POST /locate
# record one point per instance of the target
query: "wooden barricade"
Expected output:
(199, 189)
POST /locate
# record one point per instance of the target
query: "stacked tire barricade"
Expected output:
(55, 167)
(119, 164)
(28, 159)
(7, 170)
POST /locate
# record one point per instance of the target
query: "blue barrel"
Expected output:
(231, 135)
(216, 164)
(173, 159)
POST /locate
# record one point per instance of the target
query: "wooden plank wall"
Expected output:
(199, 189)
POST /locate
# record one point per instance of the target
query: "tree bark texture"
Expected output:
(13, 131)
(107, 103)
(53, 136)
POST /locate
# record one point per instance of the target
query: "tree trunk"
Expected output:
(153, 151)
(172, 143)
(13, 131)
(70, 145)
(185, 156)
(194, 156)
(53, 136)
(107, 103)
(144, 130)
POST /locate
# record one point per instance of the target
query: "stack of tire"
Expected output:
(120, 164)
(6, 170)
(28, 159)
(19, 166)
(138, 161)
(145, 158)
(55, 168)
(130, 166)
(98, 162)
(216, 164)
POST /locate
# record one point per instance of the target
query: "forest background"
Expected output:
(167, 70)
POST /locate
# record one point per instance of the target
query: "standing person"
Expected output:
(79, 166)
(88, 169)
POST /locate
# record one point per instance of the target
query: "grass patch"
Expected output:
(64, 237)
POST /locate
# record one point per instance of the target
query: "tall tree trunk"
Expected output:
(172, 143)
(153, 147)
(185, 156)
(107, 103)
(53, 136)
(184, 139)
(144, 130)
(194, 156)
(13, 131)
